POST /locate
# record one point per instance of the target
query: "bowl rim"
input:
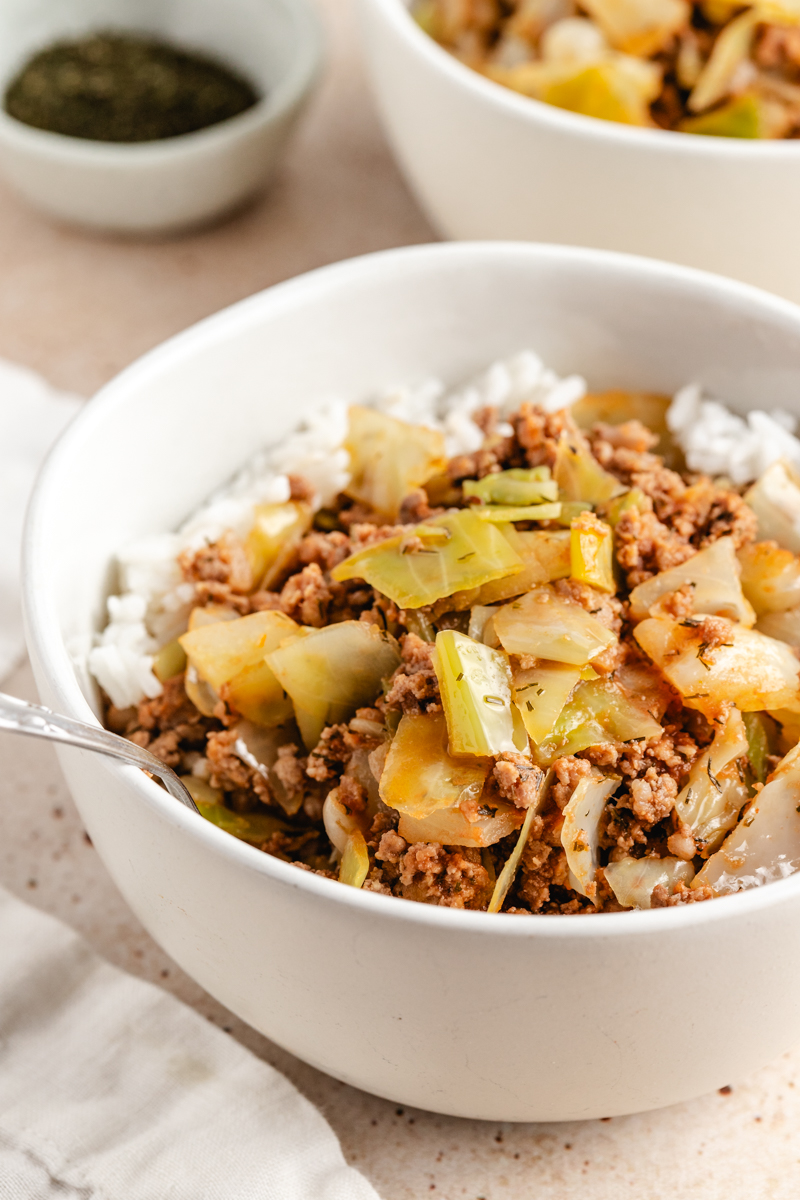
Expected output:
(299, 75)
(526, 108)
(48, 646)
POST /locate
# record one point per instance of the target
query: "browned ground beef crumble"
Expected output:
(681, 514)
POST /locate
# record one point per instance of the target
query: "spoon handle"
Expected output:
(17, 716)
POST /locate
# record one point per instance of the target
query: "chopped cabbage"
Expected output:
(389, 459)
(354, 866)
(420, 776)
(770, 577)
(502, 513)
(765, 845)
(544, 625)
(591, 552)
(730, 50)
(580, 833)
(258, 747)
(541, 692)
(170, 661)
(545, 556)
(516, 487)
(598, 711)
(716, 790)
(509, 871)
(274, 538)
(475, 684)
(784, 626)
(615, 88)
(639, 27)
(713, 576)
(741, 117)
(752, 671)
(775, 499)
(632, 879)
(331, 672)
(451, 827)
(761, 741)
(341, 822)
(253, 828)
(448, 554)
(579, 475)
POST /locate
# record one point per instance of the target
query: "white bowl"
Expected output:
(500, 1017)
(485, 162)
(175, 183)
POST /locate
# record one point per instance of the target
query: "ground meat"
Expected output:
(678, 604)
(290, 770)
(607, 440)
(328, 758)
(568, 772)
(706, 512)
(539, 432)
(681, 843)
(453, 878)
(169, 726)
(712, 632)
(416, 508)
(225, 562)
(391, 847)
(517, 779)
(608, 610)
(305, 597)
(645, 546)
(652, 796)
(230, 773)
(326, 550)
(414, 687)
(473, 466)
(301, 489)
(661, 897)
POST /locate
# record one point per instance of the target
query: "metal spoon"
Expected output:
(17, 716)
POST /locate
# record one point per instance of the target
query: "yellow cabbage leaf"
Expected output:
(632, 879)
(475, 685)
(389, 459)
(580, 833)
(713, 576)
(420, 776)
(544, 625)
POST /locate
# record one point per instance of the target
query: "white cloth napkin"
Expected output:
(110, 1089)
(32, 414)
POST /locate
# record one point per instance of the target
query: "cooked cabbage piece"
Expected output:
(274, 538)
(253, 828)
(354, 866)
(170, 661)
(591, 552)
(639, 27)
(475, 684)
(341, 822)
(633, 498)
(632, 879)
(731, 48)
(580, 833)
(389, 459)
(716, 790)
(258, 747)
(784, 626)
(203, 696)
(713, 576)
(507, 875)
(500, 513)
(742, 117)
(331, 672)
(541, 692)
(544, 625)
(598, 711)
(230, 657)
(775, 499)
(579, 475)
(518, 486)
(750, 670)
(616, 87)
(765, 845)
(770, 577)
(452, 827)
(420, 776)
(454, 552)
(761, 742)
(545, 556)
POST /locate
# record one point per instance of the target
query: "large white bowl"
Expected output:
(485, 162)
(176, 183)
(502, 1017)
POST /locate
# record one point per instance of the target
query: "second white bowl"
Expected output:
(485, 162)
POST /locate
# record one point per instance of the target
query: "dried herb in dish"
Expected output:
(112, 87)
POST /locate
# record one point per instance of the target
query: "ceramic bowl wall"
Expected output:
(485, 162)
(176, 183)
(498, 1017)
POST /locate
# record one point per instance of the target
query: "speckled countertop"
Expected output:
(78, 309)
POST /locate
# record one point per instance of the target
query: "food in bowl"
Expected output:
(516, 646)
(713, 67)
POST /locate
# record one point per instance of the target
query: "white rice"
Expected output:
(155, 602)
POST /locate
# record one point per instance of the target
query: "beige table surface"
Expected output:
(78, 309)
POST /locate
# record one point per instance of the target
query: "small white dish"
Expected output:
(486, 162)
(500, 1017)
(164, 186)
